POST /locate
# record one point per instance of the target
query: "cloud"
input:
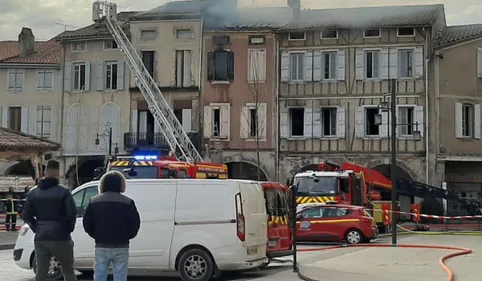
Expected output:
(40, 15)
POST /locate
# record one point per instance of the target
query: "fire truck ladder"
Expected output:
(169, 125)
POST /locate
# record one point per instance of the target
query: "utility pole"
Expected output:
(393, 169)
(110, 142)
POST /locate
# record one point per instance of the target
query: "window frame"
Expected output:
(365, 62)
(323, 123)
(148, 30)
(411, 125)
(291, 39)
(191, 33)
(42, 122)
(365, 121)
(332, 68)
(74, 50)
(111, 64)
(290, 122)
(110, 49)
(74, 65)
(371, 37)
(471, 125)
(230, 76)
(399, 54)
(17, 72)
(44, 90)
(82, 207)
(328, 38)
(302, 55)
(213, 108)
(402, 36)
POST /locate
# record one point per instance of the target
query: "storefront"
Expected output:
(465, 180)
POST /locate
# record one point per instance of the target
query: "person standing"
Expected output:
(112, 220)
(11, 218)
(51, 214)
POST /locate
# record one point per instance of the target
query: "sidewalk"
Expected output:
(7, 240)
(398, 264)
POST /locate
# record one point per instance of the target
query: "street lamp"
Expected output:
(108, 134)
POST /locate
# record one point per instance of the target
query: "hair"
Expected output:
(52, 169)
(112, 181)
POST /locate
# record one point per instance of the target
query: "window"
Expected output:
(15, 118)
(257, 39)
(297, 66)
(312, 213)
(253, 124)
(257, 65)
(79, 76)
(468, 120)
(406, 32)
(148, 60)
(44, 80)
(371, 129)
(332, 212)
(329, 34)
(78, 198)
(15, 80)
(295, 36)
(44, 116)
(371, 33)
(406, 122)
(184, 33)
(297, 118)
(110, 45)
(148, 35)
(79, 47)
(221, 66)
(406, 63)
(328, 119)
(82, 199)
(329, 65)
(372, 64)
(183, 68)
(111, 75)
(216, 122)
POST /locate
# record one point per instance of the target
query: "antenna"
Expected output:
(65, 25)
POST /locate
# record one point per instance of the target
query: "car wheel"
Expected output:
(196, 265)
(87, 273)
(264, 265)
(55, 271)
(353, 236)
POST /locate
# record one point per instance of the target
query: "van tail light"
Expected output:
(240, 221)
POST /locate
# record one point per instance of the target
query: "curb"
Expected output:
(7, 247)
(304, 277)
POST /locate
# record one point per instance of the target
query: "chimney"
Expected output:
(26, 42)
(295, 5)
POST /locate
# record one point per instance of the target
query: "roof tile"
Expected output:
(46, 52)
(13, 140)
(459, 33)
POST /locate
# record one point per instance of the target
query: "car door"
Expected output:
(83, 243)
(335, 222)
(309, 227)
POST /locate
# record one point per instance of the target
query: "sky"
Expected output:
(48, 18)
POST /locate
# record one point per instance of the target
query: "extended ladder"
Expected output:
(169, 125)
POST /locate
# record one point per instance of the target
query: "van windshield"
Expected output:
(316, 185)
(147, 172)
(276, 202)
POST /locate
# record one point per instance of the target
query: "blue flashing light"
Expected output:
(145, 157)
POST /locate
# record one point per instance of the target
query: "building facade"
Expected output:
(30, 91)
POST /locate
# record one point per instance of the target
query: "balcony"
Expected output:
(144, 141)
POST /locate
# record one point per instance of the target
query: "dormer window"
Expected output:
(329, 34)
(79, 47)
(110, 45)
(406, 32)
(371, 33)
(297, 36)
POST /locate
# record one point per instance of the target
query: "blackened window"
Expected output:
(221, 66)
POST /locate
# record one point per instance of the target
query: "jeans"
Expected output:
(104, 257)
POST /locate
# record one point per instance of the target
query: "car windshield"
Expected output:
(150, 172)
(316, 185)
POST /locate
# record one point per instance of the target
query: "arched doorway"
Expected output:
(245, 171)
(23, 168)
(85, 171)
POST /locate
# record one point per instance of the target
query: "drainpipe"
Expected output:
(276, 100)
(62, 99)
(426, 107)
(200, 103)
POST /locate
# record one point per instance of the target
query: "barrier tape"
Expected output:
(431, 216)
(13, 200)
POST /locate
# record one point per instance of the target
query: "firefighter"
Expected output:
(11, 219)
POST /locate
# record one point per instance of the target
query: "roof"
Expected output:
(458, 34)
(46, 52)
(281, 18)
(11, 140)
(98, 29)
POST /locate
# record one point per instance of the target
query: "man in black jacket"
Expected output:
(51, 213)
(112, 220)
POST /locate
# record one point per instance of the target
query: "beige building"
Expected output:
(456, 96)
(30, 91)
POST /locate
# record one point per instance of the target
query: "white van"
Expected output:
(222, 224)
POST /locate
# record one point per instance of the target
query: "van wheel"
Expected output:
(196, 264)
(264, 265)
(55, 271)
(354, 236)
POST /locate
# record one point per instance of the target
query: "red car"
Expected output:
(335, 222)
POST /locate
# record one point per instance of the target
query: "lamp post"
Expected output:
(393, 137)
(108, 133)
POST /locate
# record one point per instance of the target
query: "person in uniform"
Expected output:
(11, 219)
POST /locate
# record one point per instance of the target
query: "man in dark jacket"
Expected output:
(51, 213)
(112, 220)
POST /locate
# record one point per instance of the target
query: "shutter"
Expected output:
(285, 66)
(186, 75)
(72, 124)
(477, 121)
(341, 65)
(340, 123)
(308, 122)
(208, 122)
(186, 119)
(84, 122)
(359, 122)
(40, 80)
(419, 118)
(120, 75)
(384, 67)
(393, 63)
(68, 77)
(244, 122)
(418, 62)
(308, 66)
(4, 117)
(251, 65)
(283, 123)
(458, 121)
(21, 73)
(24, 120)
(359, 64)
(261, 65)
(87, 77)
(479, 62)
(225, 118)
(383, 128)
(210, 64)
(100, 76)
(262, 124)
(317, 66)
(316, 122)
(230, 66)
(134, 116)
(11, 81)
